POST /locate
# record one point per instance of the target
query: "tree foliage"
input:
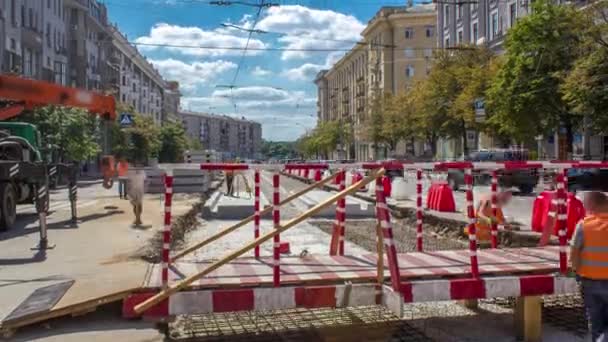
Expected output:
(173, 143)
(279, 149)
(137, 143)
(324, 138)
(525, 97)
(67, 134)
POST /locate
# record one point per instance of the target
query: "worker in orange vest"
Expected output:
(485, 217)
(122, 169)
(589, 255)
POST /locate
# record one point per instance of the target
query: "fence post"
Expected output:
(387, 235)
(561, 216)
(468, 180)
(256, 207)
(341, 207)
(167, 230)
(419, 212)
(276, 218)
(494, 209)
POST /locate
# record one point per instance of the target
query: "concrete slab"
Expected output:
(239, 206)
(354, 207)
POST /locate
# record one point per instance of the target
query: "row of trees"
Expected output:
(554, 72)
(71, 134)
(324, 139)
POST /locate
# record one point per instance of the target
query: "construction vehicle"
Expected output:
(24, 175)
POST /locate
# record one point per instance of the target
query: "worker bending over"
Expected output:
(589, 255)
(485, 217)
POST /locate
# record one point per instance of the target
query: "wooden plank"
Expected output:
(245, 221)
(139, 309)
(528, 318)
(41, 300)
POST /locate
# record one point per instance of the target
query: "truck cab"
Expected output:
(19, 141)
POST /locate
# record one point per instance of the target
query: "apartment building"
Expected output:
(135, 81)
(396, 51)
(230, 137)
(171, 100)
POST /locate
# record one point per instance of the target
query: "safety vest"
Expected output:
(594, 253)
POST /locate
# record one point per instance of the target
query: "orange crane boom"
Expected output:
(28, 94)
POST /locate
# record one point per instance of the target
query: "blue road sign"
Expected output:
(126, 119)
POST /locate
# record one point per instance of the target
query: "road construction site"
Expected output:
(104, 259)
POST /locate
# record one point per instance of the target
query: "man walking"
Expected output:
(122, 169)
(136, 186)
(589, 255)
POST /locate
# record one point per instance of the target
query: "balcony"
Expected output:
(31, 37)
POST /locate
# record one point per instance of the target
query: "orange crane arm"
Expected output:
(29, 94)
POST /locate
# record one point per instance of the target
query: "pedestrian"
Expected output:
(122, 170)
(485, 216)
(229, 182)
(589, 257)
(136, 188)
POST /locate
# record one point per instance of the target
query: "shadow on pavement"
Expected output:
(34, 280)
(39, 256)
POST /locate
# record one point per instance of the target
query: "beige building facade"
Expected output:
(395, 52)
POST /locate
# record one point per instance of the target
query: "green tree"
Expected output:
(525, 98)
(139, 142)
(173, 143)
(68, 134)
(194, 144)
(584, 88)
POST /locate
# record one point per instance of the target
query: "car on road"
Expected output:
(524, 179)
(592, 179)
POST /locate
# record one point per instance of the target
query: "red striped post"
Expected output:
(276, 218)
(387, 235)
(256, 207)
(419, 210)
(494, 208)
(341, 208)
(167, 230)
(561, 222)
(468, 181)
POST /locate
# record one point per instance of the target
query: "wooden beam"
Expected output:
(238, 225)
(528, 318)
(163, 294)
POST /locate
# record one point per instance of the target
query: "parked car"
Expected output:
(525, 179)
(588, 179)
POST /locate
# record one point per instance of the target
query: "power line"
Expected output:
(238, 48)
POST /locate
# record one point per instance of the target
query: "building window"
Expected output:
(430, 31)
(409, 71)
(459, 38)
(459, 11)
(124, 80)
(124, 98)
(60, 73)
(48, 34)
(512, 14)
(474, 6)
(409, 53)
(446, 15)
(27, 62)
(494, 23)
(474, 32)
(134, 87)
(447, 42)
(409, 33)
(428, 53)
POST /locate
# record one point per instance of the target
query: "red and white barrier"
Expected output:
(383, 216)
(341, 209)
(276, 218)
(494, 208)
(167, 230)
(419, 212)
(468, 180)
(561, 223)
(256, 208)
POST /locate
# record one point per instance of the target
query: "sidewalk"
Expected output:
(97, 254)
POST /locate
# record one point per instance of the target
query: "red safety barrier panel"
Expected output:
(453, 165)
(284, 248)
(386, 185)
(392, 165)
(221, 166)
(440, 198)
(310, 166)
(306, 173)
(543, 205)
(356, 177)
(318, 175)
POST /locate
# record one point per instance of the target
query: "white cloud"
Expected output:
(163, 33)
(304, 72)
(307, 28)
(260, 72)
(189, 75)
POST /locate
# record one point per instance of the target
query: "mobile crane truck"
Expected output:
(24, 176)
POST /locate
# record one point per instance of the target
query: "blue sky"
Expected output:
(274, 87)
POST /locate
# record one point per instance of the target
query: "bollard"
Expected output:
(167, 230)
(73, 198)
(561, 222)
(256, 204)
(342, 212)
(276, 218)
(468, 180)
(419, 210)
(494, 209)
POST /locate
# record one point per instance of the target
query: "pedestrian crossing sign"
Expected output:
(126, 119)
